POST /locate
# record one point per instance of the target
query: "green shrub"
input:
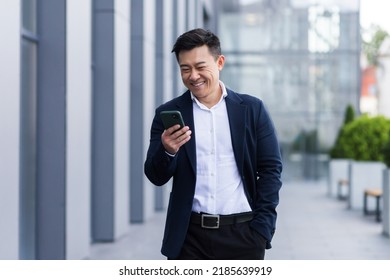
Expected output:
(349, 116)
(363, 139)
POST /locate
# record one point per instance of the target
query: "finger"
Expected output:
(177, 133)
(184, 138)
(173, 129)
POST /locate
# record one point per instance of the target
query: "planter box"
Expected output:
(363, 175)
(338, 170)
(386, 202)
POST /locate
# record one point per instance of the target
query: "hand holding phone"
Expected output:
(171, 118)
(172, 141)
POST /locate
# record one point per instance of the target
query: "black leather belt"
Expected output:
(215, 221)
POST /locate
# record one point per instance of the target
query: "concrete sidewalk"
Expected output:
(314, 226)
(310, 226)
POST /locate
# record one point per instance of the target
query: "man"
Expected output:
(225, 163)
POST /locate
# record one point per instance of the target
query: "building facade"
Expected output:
(302, 58)
(384, 79)
(80, 81)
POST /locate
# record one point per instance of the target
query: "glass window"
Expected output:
(299, 57)
(29, 15)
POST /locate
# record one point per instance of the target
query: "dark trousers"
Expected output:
(229, 242)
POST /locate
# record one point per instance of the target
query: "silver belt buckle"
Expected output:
(216, 226)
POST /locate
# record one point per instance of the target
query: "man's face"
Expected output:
(200, 72)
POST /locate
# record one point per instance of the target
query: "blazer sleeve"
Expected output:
(268, 175)
(159, 167)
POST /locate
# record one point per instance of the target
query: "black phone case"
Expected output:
(170, 118)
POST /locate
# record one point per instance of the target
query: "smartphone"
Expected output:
(170, 118)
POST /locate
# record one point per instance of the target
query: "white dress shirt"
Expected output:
(219, 188)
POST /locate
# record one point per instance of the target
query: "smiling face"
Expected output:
(200, 74)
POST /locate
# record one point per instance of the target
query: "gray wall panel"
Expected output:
(103, 122)
(137, 127)
(51, 130)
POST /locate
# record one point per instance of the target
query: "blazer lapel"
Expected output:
(185, 106)
(237, 122)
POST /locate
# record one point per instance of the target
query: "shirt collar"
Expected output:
(224, 91)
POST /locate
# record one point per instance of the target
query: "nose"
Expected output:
(194, 75)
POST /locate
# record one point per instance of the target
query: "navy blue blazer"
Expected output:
(257, 153)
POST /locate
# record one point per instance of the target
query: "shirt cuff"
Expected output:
(171, 155)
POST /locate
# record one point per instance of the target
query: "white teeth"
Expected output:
(198, 84)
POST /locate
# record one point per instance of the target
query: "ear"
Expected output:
(220, 62)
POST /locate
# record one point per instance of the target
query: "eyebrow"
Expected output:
(197, 64)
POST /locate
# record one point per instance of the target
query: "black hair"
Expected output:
(196, 38)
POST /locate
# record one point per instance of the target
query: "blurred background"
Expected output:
(80, 81)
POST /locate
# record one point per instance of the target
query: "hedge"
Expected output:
(363, 139)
